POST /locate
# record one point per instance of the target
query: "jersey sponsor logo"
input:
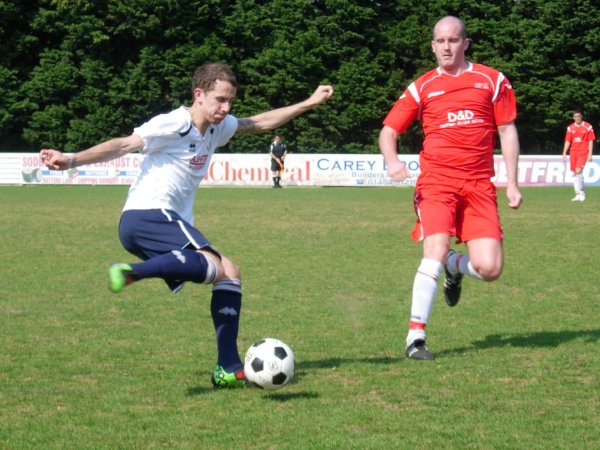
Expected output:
(198, 162)
(435, 94)
(485, 86)
(460, 116)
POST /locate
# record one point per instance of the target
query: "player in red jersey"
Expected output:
(462, 108)
(579, 140)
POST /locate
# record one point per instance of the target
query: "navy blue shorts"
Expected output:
(152, 232)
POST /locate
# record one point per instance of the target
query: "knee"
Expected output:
(490, 271)
(229, 270)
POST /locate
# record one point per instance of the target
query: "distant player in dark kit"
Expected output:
(157, 223)
(277, 152)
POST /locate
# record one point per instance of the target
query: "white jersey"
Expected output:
(176, 160)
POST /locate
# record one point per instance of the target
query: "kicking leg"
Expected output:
(176, 266)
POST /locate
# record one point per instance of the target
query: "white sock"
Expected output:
(460, 262)
(423, 296)
(578, 183)
(414, 335)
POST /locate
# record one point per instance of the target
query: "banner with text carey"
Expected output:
(253, 170)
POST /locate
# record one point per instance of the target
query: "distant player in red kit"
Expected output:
(462, 106)
(580, 141)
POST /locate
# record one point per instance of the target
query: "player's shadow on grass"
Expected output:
(330, 363)
(283, 397)
(200, 390)
(528, 340)
(196, 391)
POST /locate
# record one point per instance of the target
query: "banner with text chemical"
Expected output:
(253, 170)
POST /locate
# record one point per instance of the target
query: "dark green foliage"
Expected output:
(75, 72)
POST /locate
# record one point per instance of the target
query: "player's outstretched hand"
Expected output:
(55, 160)
(321, 94)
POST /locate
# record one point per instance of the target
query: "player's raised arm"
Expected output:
(111, 149)
(275, 118)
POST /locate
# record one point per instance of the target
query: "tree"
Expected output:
(76, 72)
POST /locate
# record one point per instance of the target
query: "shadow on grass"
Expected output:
(528, 340)
(329, 363)
(269, 395)
(301, 368)
(286, 397)
(200, 390)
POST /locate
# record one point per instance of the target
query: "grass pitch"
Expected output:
(329, 271)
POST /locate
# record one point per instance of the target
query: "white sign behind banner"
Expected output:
(300, 170)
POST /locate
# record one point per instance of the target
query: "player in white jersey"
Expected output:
(157, 220)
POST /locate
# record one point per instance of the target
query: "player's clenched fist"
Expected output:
(53, 159)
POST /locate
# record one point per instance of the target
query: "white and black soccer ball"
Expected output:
(269, 363)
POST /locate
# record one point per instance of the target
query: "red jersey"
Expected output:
(459, 115)
(579, 136)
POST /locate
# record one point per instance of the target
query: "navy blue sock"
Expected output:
(225, 307)
(180, 265)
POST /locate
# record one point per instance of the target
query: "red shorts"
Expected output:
(467, 209)
(578, 160)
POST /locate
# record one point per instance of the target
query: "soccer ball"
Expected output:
(269, 363)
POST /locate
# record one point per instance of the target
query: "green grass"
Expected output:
(330, 272)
